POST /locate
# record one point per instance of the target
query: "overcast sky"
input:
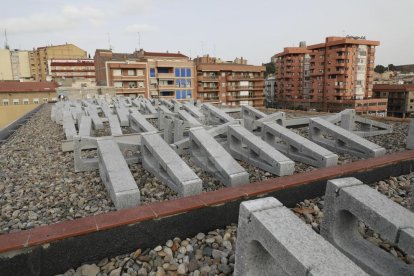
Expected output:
(253, 29)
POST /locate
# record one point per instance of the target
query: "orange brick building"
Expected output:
(329, 76)
(229, 83)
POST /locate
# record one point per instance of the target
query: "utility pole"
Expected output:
(6, 43)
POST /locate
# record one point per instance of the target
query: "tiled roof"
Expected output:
(15, 86)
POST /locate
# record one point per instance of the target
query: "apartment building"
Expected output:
(75, 69)
(270, 91)
(40, 58)
(17, 93)
(14, 65)
(151, 74)
(229, 83)
(400, 98)
(329, 76)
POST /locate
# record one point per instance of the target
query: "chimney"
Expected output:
(302, 44)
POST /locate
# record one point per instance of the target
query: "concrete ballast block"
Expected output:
(271, 240)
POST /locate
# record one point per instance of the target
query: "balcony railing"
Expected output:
(244, 77)
(240, 87)
(249, 97)
(165, 75)
(208, 78)
(201, 89)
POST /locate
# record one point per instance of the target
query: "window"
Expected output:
(36, 101)
(131, 72)
(178, 94)
(152, 72)
(188, 83)
(25, 101)
(140, 84)
(5, 102)
(45, 100)
(16, 101)
(188, 72)
(182, 72)
(189, 94)
(182, 82)
(177, 72)
(140, 72)
(183, 94)
(177, 83)
(116, 72)
(132, 84)
(118, 84)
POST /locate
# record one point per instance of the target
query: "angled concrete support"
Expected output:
(159, 159)
(168, 130)
(85, 126)
(167, 103)
(371, 128)
(215, 115)
(253, 119)
(338, 139)
(96, 120)
(208, 154)
(179, 126)
(195, 112)
(244, 145)
(106, 110)
(347, 201)
(189, 120)
(114, 125)
(140, 124)
(410, 136)
(116, 175)
(150, 108)
(123, 115)
(69, 125)
(297, 147)
(271, 240)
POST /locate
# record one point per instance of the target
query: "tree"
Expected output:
(379, 69)
(270, 68)
(391, 67)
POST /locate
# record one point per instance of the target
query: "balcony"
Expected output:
(165, 75)
(208, 78)
(130, 90)
(208, 89)
(166, 87)
(246, 77)
(238, 87)
(127, 78)
(243, 98)
(210, 99)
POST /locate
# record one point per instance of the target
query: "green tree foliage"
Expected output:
(379, 69)
(270, 68)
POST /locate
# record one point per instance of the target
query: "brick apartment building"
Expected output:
(39, 58)
(329, 76)
(61, 69)
(151, 74)
(229, 83)
(400, 98)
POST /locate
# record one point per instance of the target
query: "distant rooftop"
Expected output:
(15, 86)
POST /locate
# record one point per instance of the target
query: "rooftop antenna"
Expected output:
(139, 40)
(109, 41)
(202, 48)
(6, 43)
(214, 49)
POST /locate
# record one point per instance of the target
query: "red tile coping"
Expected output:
(82, 226)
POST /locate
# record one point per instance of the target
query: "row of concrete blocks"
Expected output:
(271, 240)
(322, 131)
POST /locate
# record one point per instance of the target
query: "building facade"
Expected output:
(329, 76)
(270, 91)
(14, 65)
(75, 69)
(40, 57)
(150, 74)
(229, 83)
(17, 93)
(400, 98)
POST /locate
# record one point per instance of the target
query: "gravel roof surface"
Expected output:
(38, 185)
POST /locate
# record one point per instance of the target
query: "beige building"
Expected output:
(150, 74)
(20, 65)
(6, 72)
(18, 93)
(39, 58)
